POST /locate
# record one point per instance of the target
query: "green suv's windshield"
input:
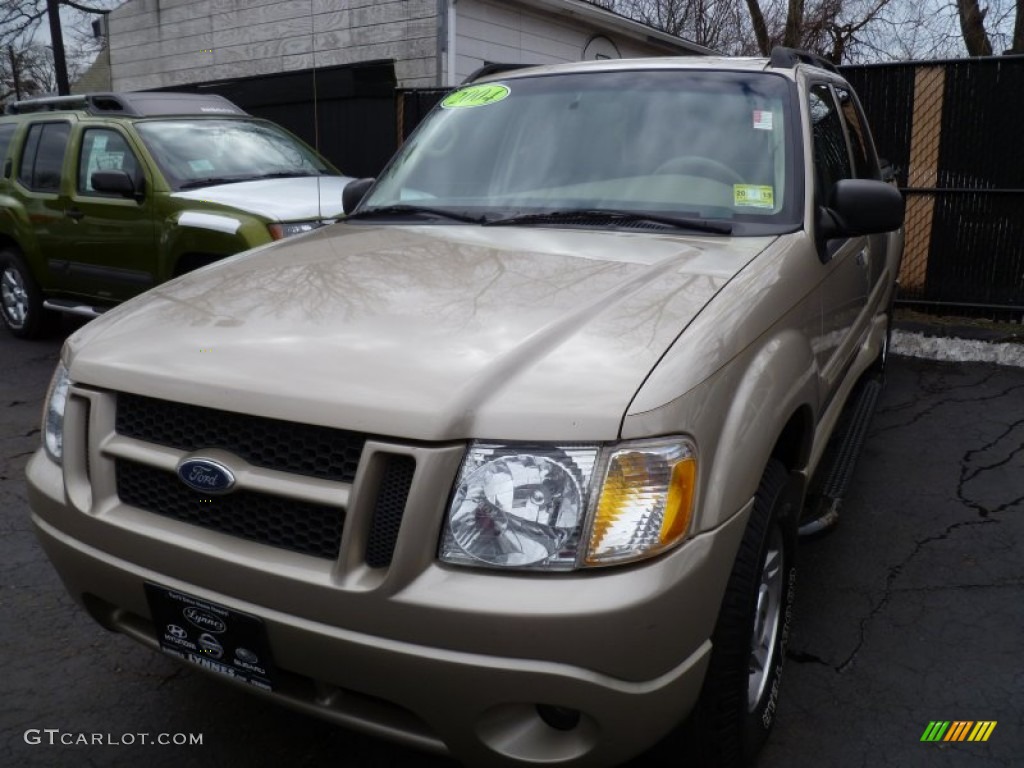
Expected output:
(198, 152)
(604, 148)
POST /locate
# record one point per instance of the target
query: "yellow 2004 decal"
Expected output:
(475, 96)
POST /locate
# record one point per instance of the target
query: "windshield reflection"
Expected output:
(193, 153)
(703, 145)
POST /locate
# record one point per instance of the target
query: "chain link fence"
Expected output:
(953, 130)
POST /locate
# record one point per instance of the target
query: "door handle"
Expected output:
(862, 259)
(74, 213)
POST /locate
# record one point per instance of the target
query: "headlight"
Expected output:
(645, 501)
(559, 507)
(519, 506)
(281, 231)
(53, 415)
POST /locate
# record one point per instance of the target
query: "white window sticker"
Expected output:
(762, 120)
(753, 196)
(200, 166)
(108, 161)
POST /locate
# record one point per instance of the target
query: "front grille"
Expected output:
(387, 513)
(299, 526)
(304, 449)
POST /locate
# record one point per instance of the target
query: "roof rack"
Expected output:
(133, 104)
(45, 104)
(494, 69)
(788, 58)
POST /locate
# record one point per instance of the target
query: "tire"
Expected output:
(739, 699)
(21, 302)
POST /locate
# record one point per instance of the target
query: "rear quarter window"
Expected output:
(6, 134)
(43, 156)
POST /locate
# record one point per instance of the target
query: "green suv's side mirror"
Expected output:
(354, 192)
(114, 183)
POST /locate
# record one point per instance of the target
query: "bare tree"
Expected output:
(843, 31)
(972, 22)
(28, 69)
(22, 20)
(977, 24)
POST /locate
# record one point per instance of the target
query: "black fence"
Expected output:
(953, 130)
(351, 120)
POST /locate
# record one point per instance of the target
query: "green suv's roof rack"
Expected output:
(788, 58)
(134, 104)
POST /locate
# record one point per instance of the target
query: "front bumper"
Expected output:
(445, 659)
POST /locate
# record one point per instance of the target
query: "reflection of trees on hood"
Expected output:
(334, 278)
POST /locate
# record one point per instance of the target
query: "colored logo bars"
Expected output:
(958, 730)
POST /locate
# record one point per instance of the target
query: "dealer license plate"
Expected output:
(212, 636)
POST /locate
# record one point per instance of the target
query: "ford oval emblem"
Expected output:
(206, 476)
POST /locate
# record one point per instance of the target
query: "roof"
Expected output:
(782, 60)
(615, 22)
(722, 63)
(131, 104)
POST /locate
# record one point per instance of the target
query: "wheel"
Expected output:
(21, 302)
(700, 166)
(737, 707)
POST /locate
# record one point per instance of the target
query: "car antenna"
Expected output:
(316, 115)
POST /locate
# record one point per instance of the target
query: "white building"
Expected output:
(164, 43)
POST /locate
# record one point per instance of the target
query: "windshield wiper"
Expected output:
(600, 217)
(209, 181)
(289, 174)
(415, 210)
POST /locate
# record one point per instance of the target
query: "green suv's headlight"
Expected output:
(559, 507)
(53, 415)
(289, 228)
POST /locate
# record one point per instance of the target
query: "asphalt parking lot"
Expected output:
(911, 611)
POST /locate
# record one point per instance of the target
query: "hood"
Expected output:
(432, 332)
(289, 199)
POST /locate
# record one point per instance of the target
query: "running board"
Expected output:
(824, 500)
(73, 308)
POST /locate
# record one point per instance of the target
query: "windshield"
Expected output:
(198, 152)
(703, 145)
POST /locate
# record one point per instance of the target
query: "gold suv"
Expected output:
(507, 464)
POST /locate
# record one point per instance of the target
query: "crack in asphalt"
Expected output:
(946, 401)
(967, 473)
(894, 573)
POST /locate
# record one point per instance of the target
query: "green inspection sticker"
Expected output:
(476, 96)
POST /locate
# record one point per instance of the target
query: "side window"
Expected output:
(864, 166)
(6, 134)
(43, 156)
(831, 156)
(104, 150)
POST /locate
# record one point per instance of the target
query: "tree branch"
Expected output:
(84, 8)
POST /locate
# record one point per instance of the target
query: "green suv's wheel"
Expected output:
(21, 303)
(740, 695)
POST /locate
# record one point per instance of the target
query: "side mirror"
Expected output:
(113, 183)
(354, 192)
(861, 207)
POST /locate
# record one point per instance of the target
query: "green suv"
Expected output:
(105, 195)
